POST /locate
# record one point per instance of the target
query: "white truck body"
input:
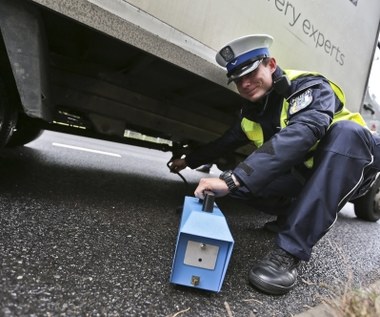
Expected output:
(335, 38)
(192, 103)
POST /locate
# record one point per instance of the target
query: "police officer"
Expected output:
(310, 149)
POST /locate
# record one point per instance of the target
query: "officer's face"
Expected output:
(254, 85)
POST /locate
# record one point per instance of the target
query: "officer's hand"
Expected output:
(177, 165)
(215, 185)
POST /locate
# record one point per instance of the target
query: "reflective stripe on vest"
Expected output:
(254, 131)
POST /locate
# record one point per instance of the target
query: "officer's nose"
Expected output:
(245, 81)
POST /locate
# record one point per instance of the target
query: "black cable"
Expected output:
(179, 174)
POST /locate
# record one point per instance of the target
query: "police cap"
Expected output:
(243, 55)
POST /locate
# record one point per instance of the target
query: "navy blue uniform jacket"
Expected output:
(282, 148)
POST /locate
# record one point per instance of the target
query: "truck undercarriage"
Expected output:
(88, 83)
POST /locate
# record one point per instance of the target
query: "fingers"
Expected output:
(175, 168)
(202, 188)
(214, 185)
(199, 194)
(177, 165)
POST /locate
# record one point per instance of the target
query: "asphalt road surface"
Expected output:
(88, 228)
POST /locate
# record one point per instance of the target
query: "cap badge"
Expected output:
(227, 53)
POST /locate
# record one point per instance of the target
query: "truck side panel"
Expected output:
(335, 38)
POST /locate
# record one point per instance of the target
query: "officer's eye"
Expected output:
(252, 74)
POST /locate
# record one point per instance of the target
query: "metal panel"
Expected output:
(201, 255)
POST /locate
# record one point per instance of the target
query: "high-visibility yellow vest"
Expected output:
(254, 131)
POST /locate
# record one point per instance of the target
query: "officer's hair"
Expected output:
(265, 61)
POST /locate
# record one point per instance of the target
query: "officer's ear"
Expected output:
(281, 83)
(272, 64)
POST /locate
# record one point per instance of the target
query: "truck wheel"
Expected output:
(367, 207)
(27, 130)
(8, 116)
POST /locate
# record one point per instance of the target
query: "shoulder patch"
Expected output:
(300, 102)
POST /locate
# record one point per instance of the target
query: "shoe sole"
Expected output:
(269, 288)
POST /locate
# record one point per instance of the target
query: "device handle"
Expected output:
(208, 201)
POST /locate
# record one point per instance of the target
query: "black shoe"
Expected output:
(276, 225)
(276, 274)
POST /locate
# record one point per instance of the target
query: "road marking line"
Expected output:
(85, 149)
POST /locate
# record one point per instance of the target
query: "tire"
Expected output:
(8, 115)
(367, 207)
(26, 131)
